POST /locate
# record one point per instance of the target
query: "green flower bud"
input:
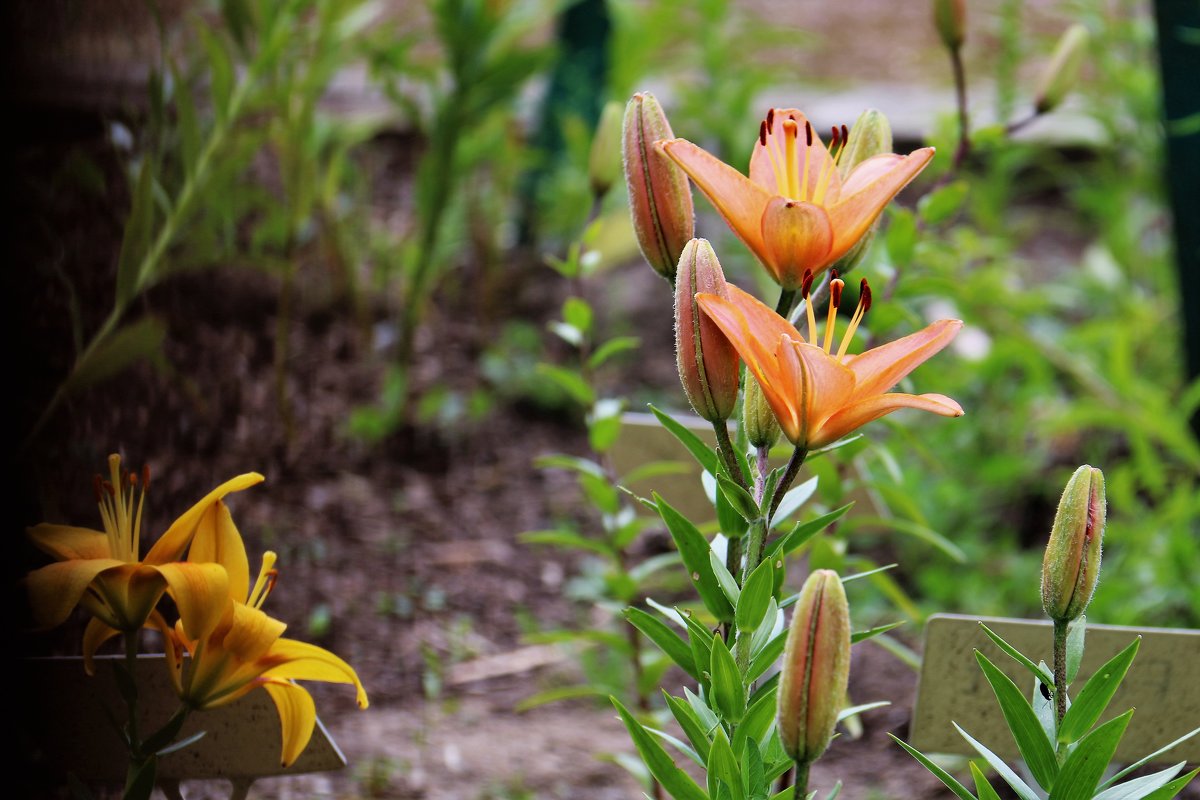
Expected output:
(1062, 72)
(950, 19)
(708, 364)
(1072, 562)
(604, 159)
(816, 667)
(871, 135)
(762, 429)
(660, 199)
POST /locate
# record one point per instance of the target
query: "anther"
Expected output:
(770, 119)
(97, 487)
(835, 292)
(833, 139)
(864, 295)
(808, 133)
(145, 477)
(845, 135)
(762, 133)
(806, 283)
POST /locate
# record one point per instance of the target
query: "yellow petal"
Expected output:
(124, 596)
(55, 589)
(96, 634)
(297, 716)
(872, 408)
(217, 540)
(171, 545)
(200, 592)
(737, 198)
(65, 542)
(252, 634)
(864, 197)
(883, 367)
(306, 662)
(797, 237)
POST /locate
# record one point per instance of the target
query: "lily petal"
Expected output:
(796, 236)
(96, 634)
(200, 591)
(306, 662)
(55, 589)
(881, 368)
(297, 717)
(217, 540)
(123, 596)
(831, 384)
(813, 157)
(738, 199)
(170, 545)
(872, 408)
(65, 542)
(252, 634)
(864, 198)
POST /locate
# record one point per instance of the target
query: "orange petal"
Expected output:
(55, 589)
(65, 542)
(872, 408)
(96, 634)
(883, 367)
(200, 592)
(306, 662)
(764, 172)
(170, 545)
(297, 717)
(831, 385)
(797, 237)
(217, 540)
(737, 198)
(124, 596)
(864, 197)
(252, 634)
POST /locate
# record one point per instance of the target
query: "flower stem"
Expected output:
(786, 298)
(785, 483)
(801, 782)
(1060, 668)
(728, 454)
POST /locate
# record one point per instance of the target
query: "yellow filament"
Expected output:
(812, 320)
(831, 320)
(781, 182)
(823, 178)
(262, 586)
(137, 522)
(859, 313)
(790, 131)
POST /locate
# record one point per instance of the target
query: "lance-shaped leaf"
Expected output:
(672, 778)
(694, 550)
(1081, 772)
(1023, 723)
(1095, 695)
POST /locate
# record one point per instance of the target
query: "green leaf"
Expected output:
(803, 532)
(667, 640)
(690, 724)
(573, 463)
(770, 653)
(1031, 740)
(757, 720)
(570, 382)
(1147, 759)
(1037, 672)
(1095, 695)
(678, 744)
(703, 454)
(868, 573)
(755, 596)
(672, 778)
(135, 243)
(568, 333)
(792, 502)
(727, 691)
(1011, 778)
(700, 639)
(986, 792)
(1081, 772)
(578, 314)
(187, 741)
(568, 540)
(655, 469)
(556, 695)
(603, 433)
(916, 530)
(854, 711)
(862, 636)
(941, 204)
(139, 782)
(137, 341)
(612, 347)
(945, 777)
(730, 521)
(1075, 635)
(694, 549)
(1173, 788)
(728, 583)
(738, 498)
(723, 766)
(221, 72)
(1138, 788)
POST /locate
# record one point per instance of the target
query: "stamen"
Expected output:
(806, 286)
(98, 488)
(771, 147)
(864, 305)
(770, 119)
(828, 167)
(808, 133)
(137, 520)
(267, 576)
(790, 165)
(762, 133)
(835, 300)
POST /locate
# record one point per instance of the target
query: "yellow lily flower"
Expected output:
(235, 647)
(795, 211)
(817, 394)
(101, 571)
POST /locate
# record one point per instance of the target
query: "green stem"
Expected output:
(801, 782)
(789, 475)
(728, 454)
(786, 298)
(135, 742)
(1060, 668)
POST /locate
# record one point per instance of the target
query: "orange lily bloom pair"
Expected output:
(819, 394)
(101, 570)
(796, 211)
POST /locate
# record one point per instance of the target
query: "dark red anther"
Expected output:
(808, 132)
(770, 119)
(762, 133)
(864, 295)
(98, 487)
(806, 283)
(845, 135)
(835, 292)
(833, 139)
(108, 487)
(145, 477)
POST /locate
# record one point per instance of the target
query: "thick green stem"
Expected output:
(1060, 669)
(727, 454)
(786, 298)
(789, 476)
(801, 782)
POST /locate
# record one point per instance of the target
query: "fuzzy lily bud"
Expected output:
(1062, 72)
(950, 19)
(762, 429)
(708, 364)
(816, 667)
(604, 159)
(870, 136)
(660, 198)
(1072, 562)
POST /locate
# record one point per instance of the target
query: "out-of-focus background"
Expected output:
(317, 239)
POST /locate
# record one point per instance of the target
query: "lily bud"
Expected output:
(660, 199)
(816, 667)
(604, 159)
(762, 429)
(1072, 562)
(1062, 72)
(950, 19)
(870, 136)
(708, 364)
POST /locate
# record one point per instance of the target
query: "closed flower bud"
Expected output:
(660, 199)
(762, 429)
(870, 136)
(816, 667)
(708, 364)
(1072, 562)
(1062, 72)
(950, 19)
(604, 159)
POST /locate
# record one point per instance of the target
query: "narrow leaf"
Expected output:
(862, 636)
(1043, 675)
(1022, 723)
(1095, 695)
(1140, 787)
(1081, 772)
(945, 777)
(803, 532)
(672, 778)
(728, 693)
(135, 243)
(994, 761)
(667, 640)
(703, 454)
(755, 596)
(724, 578)
(690, 724)
(1147, 759)
(738, 498)
(1075, 635)
(792, 502)
(986, 792)
(141, 340)
(694, 549)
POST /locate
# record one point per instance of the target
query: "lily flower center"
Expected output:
(122, 516)
(836, 285)
(790, 168)
(267, 575)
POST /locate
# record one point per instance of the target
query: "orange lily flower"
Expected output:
(796, 211)
(102, 572)
(818, 394)
(235, 647)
